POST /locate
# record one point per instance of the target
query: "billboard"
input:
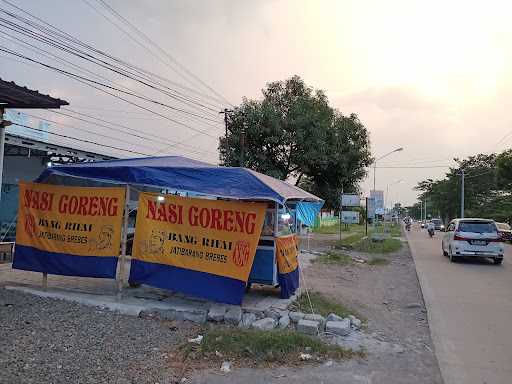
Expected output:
(379, 198)
(21, 118)
(350, 217)
(350, 200)
(370, 208)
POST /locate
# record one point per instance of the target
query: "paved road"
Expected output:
(470, 312)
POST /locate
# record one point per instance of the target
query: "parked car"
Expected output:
(472, 238)
(505, 231)
(438, 224)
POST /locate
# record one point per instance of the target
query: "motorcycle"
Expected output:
(408, 227)
(431, 232)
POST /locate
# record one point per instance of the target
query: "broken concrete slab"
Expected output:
(284, 322)
(341, 328)
(217, 312)
(296, 316)
(265, 324)
(315, 317)
(247, 320)
(233, 315)
(333, 317)
(308, 327)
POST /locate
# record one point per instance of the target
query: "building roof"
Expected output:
(15, 96)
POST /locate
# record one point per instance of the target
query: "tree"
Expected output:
(485, 183)
(294, 133)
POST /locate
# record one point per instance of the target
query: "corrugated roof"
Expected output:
(16, 96)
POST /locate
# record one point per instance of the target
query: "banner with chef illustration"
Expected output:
(72, 231)
(287, 249)
(199, 247)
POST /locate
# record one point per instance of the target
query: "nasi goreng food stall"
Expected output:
(287, 207)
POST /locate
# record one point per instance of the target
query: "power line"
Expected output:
(150, 41)
(87, 81)
(85, 130)
(412, 166)
(82, 140)
(156, 138)
(67, 37)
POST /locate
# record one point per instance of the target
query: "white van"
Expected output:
(473, 238)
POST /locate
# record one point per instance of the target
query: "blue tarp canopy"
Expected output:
(181, 174)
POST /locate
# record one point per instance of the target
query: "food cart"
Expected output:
(192, 178)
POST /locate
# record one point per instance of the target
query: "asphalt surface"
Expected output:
(469, 307)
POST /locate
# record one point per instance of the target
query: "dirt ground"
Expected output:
(390, 299)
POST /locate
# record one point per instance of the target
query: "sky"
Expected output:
(432, 76)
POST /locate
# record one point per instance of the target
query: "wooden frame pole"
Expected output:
(124, 239)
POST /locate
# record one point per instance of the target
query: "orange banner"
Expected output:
(287, 253)
(212, 236)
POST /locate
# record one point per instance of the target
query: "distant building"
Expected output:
(25, 150)
(24, 159)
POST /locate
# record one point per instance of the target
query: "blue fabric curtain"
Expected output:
(307, 211)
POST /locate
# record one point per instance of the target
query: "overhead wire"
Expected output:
(67, 37)
(168, 55)
(143, 135)
(96, 84)
(81, 140)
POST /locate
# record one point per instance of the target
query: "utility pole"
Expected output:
(462, 194)
(425, 206)
(226, 112)
(242, 147)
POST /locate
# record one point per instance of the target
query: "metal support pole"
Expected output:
(45, 281)
(366, 219)
(462, 195)
(124, 239)
(2, 144)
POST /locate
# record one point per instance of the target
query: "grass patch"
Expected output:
(333, 258)
(321, 304)
(254, 347)
(331, 229)
(349, 241)
(378, 261)
(386, 246)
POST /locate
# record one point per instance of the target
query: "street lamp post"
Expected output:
(387, 190)
(375, 169)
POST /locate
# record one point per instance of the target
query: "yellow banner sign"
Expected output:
(212, 236)
(287, 253)
(70, 220)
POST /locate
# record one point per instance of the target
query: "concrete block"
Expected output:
(333, 317)
(233, 315)
(309, 327)
(265, 324)
(217, 312)
(273, 313)
(247, 320)
(296, 316)
(356, 323)
(341, 328)
(315, 317)
(284, 322)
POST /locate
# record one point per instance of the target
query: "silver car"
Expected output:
(472, 238)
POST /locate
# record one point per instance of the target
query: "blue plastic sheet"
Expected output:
(182, 174)
(307, 211)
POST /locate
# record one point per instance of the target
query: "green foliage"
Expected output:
(386, 246)
(488, 182)
(321, 305)
(334, 258)
(378, 261)
(260, 347)
(293, 132)
(349, 241)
